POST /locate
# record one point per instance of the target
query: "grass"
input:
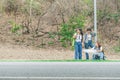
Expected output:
(59, 60)
(117, 49)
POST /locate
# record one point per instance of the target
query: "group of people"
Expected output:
(86, 41)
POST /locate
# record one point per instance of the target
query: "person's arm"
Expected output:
(93, 47)
(101, 49)
(93, 33)
(75, 35)
(83, 41)
(84, 38)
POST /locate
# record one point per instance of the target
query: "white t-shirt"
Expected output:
(101, 48)
(89, 37)
(78, 37)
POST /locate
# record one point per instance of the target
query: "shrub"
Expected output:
(15, 27)
(68, 29)
(11, 6)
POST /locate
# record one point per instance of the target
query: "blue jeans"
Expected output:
(100, 54)
(78, 50)
(87, 45)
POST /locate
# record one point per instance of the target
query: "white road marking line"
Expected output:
(64, 78)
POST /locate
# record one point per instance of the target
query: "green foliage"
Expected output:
(11, 6)
(103, 14)
(88, 2)
(116, 17)
(51, 43)
(117, 49)
(51, 35)
(68, 29)
(35, 7)
(15, 27)
(106, 15)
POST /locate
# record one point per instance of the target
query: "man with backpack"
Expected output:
(88, 40)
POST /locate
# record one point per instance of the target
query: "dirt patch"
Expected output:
(17, 52)
(27, 53)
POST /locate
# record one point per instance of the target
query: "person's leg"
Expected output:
(101, 55)
(91, 44)
(93, 57)
(80, 51)
(87, 56)
(86, 47)
(76, 50)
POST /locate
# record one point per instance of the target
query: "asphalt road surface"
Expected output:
(59, 71)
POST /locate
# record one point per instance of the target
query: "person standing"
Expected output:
(78, 36)
(88, 41)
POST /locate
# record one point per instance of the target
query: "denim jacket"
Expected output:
(86, 38)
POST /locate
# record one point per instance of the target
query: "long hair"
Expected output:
(99, 45)
(81, 32)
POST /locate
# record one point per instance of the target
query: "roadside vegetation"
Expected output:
(51, 23)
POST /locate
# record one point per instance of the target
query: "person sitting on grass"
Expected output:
(99, 54)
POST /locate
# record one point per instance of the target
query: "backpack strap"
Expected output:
(85, 36)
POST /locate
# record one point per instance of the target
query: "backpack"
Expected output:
(73, 42)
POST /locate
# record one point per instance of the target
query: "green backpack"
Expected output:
(73, 42)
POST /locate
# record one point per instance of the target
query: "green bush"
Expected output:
(51, 43)
(117, 49)
(68, 29)
(51, 35)
(11, 6)
(116, 17)
(15, 27)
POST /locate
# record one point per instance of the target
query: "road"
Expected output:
(59, 71)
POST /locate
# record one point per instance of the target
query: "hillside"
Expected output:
(37, 24)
